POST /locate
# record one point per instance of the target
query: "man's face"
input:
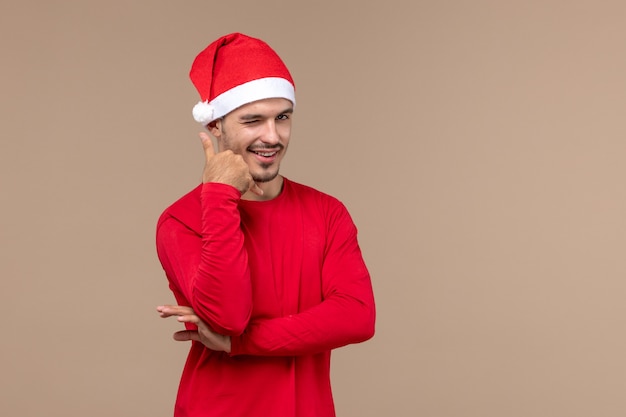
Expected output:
(259, 132)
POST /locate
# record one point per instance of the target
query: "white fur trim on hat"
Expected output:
(203, 112)
(270, 87)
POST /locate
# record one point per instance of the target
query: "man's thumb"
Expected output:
(207, 144)
(186, 335)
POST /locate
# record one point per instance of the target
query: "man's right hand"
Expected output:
(227, 168)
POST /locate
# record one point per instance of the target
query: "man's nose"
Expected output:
(270, 135)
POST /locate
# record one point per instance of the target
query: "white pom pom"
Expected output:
(203, 112)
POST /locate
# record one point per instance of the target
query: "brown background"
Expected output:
(480, 147)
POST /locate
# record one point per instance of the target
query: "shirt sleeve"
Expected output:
(210, 270)
(346, 314)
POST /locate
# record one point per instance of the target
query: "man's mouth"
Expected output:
(265, 154)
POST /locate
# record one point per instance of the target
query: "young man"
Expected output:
(267, 273)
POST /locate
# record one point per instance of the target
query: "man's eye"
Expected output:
(283, 117)
(249, 122)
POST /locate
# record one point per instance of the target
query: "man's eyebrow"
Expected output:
(260, 116)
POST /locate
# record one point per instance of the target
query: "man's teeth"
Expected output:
(266, 154)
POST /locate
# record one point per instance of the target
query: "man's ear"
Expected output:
(215, 127)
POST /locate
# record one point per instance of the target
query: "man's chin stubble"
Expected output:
(265, 178)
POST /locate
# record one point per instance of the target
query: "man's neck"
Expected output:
(271, 190)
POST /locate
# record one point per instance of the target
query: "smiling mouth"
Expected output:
(265, 154)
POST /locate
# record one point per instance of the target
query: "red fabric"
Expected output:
(237, 58)
(285, 278)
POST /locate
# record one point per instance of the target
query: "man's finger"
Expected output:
(165, 311)
(186, 335)
(188, 318)
(255, 189)
(169, 310)
(207, 144)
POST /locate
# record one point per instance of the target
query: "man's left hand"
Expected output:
(204, 334)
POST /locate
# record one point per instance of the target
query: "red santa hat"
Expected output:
(235, 70)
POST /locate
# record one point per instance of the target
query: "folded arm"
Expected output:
(345, 315)
(210, 268)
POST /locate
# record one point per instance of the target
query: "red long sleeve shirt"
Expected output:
(284, 278)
